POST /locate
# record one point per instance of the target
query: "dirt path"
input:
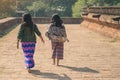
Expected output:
(88, 56)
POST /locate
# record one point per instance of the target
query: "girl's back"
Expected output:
(58, 31)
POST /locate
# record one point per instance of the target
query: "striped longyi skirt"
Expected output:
(58, 49)
(29, 49)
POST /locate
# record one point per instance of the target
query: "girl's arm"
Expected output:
(38, 33)
(18, 44)
(65, 34)
(20, 34)
(42, 39)
(67, 40)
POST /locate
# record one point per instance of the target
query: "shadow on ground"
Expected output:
(63, 76)
(84, 69)
(39, 74)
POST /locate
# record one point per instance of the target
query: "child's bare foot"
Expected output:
(57, 62)
(29, 70)
(58, 65)
(53, 63)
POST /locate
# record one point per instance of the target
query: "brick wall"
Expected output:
(106, 24)
(66, 20)
(105, 28)
(9, 22)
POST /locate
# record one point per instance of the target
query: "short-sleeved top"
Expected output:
(26, 34)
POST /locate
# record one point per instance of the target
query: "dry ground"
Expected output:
(88, 56)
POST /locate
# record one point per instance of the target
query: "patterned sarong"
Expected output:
(28, 49)
(57, 48)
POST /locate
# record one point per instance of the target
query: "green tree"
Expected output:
(22, 4)
(38, 8)
(64, 7)
(112, 2)
(77, 8)
(50, 7)
(7, 8)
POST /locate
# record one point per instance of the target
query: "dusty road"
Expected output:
(88, 56)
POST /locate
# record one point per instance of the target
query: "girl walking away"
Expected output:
(28, 39)
(57, 35)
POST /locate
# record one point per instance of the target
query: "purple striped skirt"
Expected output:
(58, 49)
(28, 49)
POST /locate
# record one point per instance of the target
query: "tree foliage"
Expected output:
(7, 8)
(48, 7)
(45, 8)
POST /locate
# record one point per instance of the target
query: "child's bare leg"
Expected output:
(53, 61)
(57, 62)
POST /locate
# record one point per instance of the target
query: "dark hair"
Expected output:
(27, 19)
(56, 20)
